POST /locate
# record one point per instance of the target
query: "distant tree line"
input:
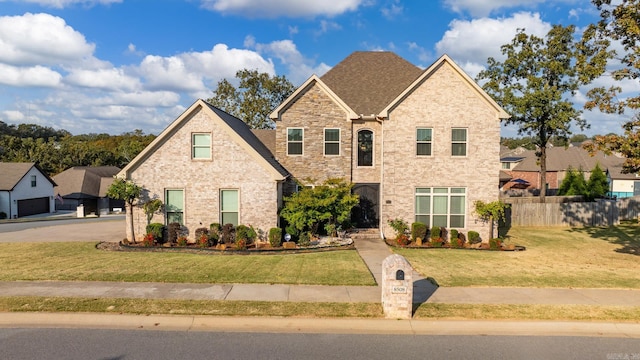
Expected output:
(528, 142)
(57, 150)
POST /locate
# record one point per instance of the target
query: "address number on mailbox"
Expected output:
(399, 290)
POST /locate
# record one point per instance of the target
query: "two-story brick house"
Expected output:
(420, 145)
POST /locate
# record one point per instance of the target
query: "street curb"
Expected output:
(319, 325)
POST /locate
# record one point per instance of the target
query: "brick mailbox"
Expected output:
(397, 287)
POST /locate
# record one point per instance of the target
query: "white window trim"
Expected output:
(220, 207)
(373, 149)
(302, 142)
(449, 194)
(193, 146)
(325, 142)
(184, 204)
(466, 142)
(424, 142)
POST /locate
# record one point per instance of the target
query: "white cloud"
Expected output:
(59, 4)
(107, 79)
(299, 67)
(40, 39)
(393, 10)
(285, 8)
(472, 42)
(326, 26)
(478, 8)
(38, 76)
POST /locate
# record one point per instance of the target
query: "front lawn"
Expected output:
(83, 262)
(554, 257)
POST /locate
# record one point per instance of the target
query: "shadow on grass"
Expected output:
(626, 235)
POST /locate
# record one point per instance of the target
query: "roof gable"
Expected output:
(235, 128)
(444, 59)
(84, 181)
(13, 173)
(314, 80)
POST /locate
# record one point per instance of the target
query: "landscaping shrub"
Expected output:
(418, 230)
(157, 230)
(228, 234)
(181, 241)
(3, 215)
(275, 237)
(474, 237)
(399, 226)
(242, 237)
(495, 244)
(435, 239)
(203, 239)
(173, 232)
(202, 231)
(304, 239)
(148, 240)
(454, 239)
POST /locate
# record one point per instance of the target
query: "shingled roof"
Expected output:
(367, 81)
(81, 182)
(560, 159)
(12, 173)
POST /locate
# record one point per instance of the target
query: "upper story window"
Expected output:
(33, 181)
(295, 140)
(201, 146)
(506, 165)
(332, 141)
(365, 148)
(458, 142)
(423, 141)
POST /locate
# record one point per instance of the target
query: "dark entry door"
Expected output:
(365, 214)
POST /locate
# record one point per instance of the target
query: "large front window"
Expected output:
(201, 146)
(174, 206)
(294, 141)
(229, 207)
(365, 148)
(441, 206)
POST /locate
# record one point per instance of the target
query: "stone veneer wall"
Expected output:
(314, 111)
(231, 167)
(444, 100)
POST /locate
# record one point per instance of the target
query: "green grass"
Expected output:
(555, 257)
(83, 262)
(317, 310)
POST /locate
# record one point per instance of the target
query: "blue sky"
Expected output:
(112, 66)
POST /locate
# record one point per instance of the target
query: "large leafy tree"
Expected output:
(255, 97)
(619, 24)
(534, 83)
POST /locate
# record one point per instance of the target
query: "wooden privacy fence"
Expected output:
(598, 213)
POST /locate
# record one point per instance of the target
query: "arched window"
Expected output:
(365, 148)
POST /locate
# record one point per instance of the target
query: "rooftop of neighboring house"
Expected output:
(81, 182)
(561, 159)
(12, 173)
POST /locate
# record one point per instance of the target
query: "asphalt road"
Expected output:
(148, 344)
(107, 228)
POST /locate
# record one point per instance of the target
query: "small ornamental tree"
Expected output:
(329, 203)
(490, 212)
(129, 192)
(573, 184)
(151, 207)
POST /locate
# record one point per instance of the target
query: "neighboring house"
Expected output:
(87, 186)
(25, 190)
(525, 173)
(622, 185)
(208, 167)
(419, 145)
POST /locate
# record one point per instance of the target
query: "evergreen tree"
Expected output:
(598, 184)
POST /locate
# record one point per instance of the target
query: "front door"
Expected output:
(365, 214)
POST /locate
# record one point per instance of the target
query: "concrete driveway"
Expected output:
(59, 230)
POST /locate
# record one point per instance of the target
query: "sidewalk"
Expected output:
(372, 251)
